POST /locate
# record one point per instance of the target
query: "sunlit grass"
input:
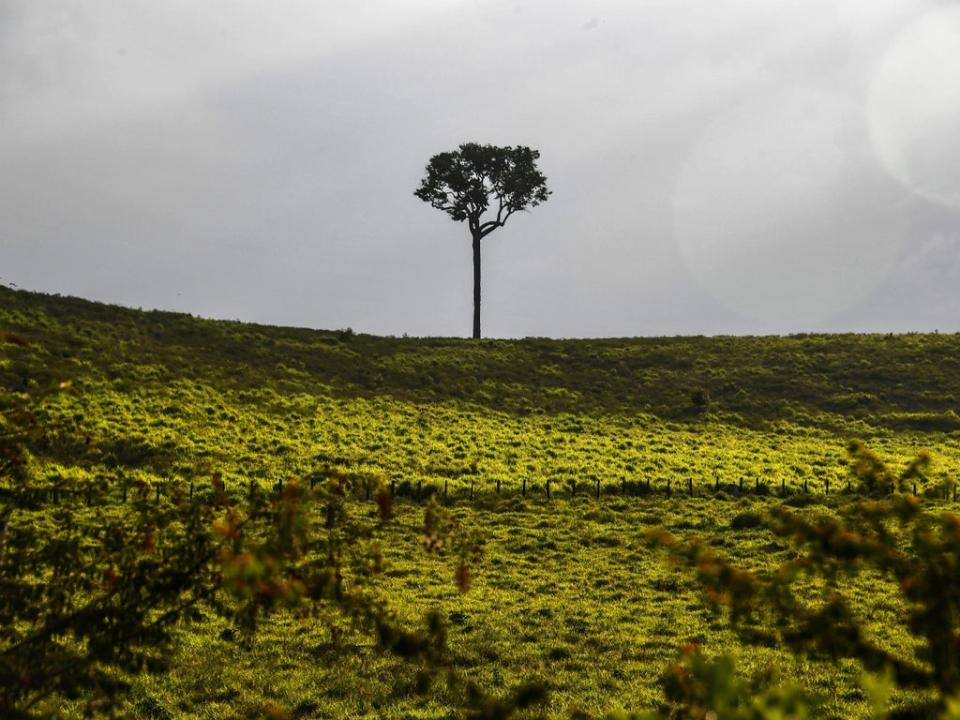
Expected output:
(567, 591)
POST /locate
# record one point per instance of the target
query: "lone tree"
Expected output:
(475, 178)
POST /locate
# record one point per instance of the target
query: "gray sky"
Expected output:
(731, 166)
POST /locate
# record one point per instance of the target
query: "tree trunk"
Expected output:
(476, 286)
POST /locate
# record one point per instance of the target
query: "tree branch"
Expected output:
(491, 225)
(488, 227)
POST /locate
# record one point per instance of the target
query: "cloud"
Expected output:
(230, 159)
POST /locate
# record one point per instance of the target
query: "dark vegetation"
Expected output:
(856, 383)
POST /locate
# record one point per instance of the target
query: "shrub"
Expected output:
(917, 550)
(700, 398)
(746, 521)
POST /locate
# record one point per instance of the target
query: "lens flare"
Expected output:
(914, 106)
(781, 213)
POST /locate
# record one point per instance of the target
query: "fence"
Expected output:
(363, 487)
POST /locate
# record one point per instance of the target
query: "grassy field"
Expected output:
(568, 594)
(567, 590)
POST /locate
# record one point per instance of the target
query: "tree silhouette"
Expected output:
(475, 179)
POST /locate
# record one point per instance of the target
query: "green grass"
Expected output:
(567, 591)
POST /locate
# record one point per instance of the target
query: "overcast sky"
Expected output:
(721, 166)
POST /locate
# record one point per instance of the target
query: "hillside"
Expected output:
(568, 589)
(160, 392)
(876, 382)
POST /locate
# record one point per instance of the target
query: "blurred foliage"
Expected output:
(894, 538)
(700, 688)
(81, 601)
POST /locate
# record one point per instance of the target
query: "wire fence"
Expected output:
(363, 487)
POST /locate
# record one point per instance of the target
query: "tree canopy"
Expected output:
(475, 178)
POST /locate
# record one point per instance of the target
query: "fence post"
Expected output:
(498, 486)
(827, 485)
(668, 487)
(445, 481)
(524, 491)
(598, 488)
(690, 485)
(548, 488)
(783, 487)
